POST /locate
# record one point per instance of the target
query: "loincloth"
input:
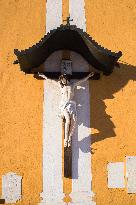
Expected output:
(70, 106)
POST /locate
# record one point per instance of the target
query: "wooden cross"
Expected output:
(68, 21)
(67, 151)
(75, 75)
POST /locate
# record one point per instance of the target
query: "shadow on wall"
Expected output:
(105, 89)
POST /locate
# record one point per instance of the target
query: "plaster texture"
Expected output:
(53, 14)
(82, 198)
(52, 128)
(11, 187)
(52, 153)
(81, 164)
(22, 23)
(116, 178)
(131, 174)
(112, 24)
(53, 62)
(77, 13)
(81, 155)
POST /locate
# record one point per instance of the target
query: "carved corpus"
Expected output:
(11, 187)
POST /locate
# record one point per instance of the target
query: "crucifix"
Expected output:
(68, 21)
(67, 107)
(68, 111)
(100, 59)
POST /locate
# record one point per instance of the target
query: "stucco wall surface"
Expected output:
(22, 23)
(113, 111)
(112, 24)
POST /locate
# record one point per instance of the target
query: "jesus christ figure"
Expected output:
(68, 105)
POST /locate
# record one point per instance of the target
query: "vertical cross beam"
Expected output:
(67, 150)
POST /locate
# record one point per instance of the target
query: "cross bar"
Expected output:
(68, 20)
(75, 75)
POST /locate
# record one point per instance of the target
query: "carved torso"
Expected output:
(67, 94)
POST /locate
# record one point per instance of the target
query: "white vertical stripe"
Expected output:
(53, 14)
(131, 174)
(52, 143)
(81, 143)
(77, 13)
(81, 155)
(52, 130)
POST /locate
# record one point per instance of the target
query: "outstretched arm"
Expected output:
(83, 79)
(42, 76)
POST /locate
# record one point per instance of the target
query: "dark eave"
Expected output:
(68, 38)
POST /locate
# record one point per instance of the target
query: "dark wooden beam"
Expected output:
(2, 201)
(68, 162)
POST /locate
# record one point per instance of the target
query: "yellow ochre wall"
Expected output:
(22, 23)
(112, 24)
(113, 112)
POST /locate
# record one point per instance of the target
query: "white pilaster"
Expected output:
(77, 13)
(53, 14)
(52, 131)
(81, 155)
(52, 145)
(131, 174)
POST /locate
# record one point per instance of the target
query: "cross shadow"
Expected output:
(105, 89)
(100, 120)
(81, 143)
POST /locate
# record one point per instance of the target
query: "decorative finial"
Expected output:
(68, 21)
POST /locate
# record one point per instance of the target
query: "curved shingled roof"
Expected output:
(68, 37)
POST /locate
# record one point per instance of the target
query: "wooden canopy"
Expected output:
(68, 37)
